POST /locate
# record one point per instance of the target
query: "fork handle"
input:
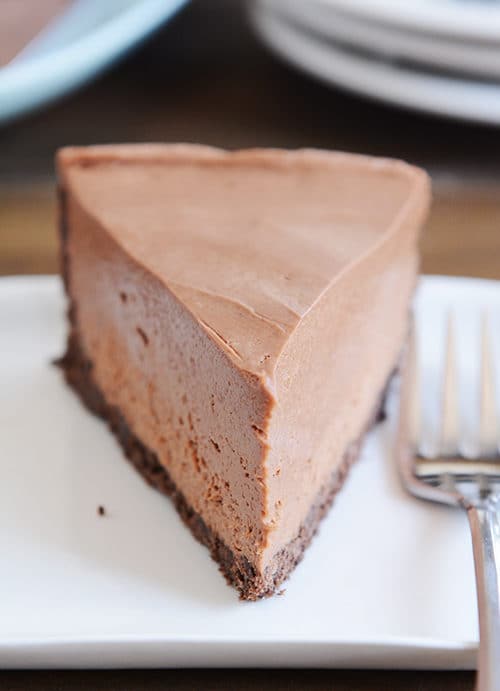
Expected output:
(485, 529)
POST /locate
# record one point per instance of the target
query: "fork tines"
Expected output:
(448, 459)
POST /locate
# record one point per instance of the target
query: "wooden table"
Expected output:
(205, 78)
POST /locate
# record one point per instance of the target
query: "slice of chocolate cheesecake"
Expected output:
(236, 317)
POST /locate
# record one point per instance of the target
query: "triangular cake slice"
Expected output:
(235, 317)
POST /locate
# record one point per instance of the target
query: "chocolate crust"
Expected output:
(238, 571)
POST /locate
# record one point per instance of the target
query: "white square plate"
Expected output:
(388, 582)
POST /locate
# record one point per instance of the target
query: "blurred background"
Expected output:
(224, 72)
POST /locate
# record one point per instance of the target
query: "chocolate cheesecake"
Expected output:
(236, 317)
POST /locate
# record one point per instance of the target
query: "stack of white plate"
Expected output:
(438, 56)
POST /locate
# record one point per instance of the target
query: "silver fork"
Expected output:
(470, 481)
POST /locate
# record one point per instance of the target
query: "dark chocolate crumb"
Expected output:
(215, 445)
(259, 431)
(143, 335)
(101, 511)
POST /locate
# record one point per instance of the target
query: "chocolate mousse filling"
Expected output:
(237, 570)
